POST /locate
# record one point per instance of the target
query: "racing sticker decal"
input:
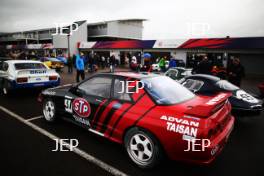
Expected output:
(216, 99)
(182, 126)
(68, 105)
(246, 97)
(81, 107)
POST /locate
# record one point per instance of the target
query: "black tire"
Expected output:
(151, 145)
(49, 110)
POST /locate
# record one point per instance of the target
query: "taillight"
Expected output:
(22, 80)
(52, 78)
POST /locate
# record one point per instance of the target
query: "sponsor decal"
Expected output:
(240, 94)
(181, 126)
(81, 107)
(216, 99)
(82, 120)
(46, 92)
(38, 72)
(68, 105)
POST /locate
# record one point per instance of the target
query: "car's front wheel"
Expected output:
(143, 148)
(49, 110)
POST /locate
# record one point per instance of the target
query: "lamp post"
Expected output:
(68, 40)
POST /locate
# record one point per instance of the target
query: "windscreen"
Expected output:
(223, 84)
(25, 66)
(166, 91)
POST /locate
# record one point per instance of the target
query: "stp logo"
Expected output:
(81, 107)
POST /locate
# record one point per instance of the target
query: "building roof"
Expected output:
(205, 43)
(225, 43)
(120, 20)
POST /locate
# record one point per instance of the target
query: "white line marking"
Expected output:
(34, 118)
(76, 150)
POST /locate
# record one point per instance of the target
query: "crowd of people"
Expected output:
(90, 63)
(233, 73)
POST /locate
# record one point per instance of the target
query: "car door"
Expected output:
(121, 101)
(89, 100)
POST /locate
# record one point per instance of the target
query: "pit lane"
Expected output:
(27, 152)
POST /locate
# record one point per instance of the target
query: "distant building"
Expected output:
(107, 30)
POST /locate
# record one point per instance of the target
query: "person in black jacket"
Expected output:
(204, 67)
(112, 63)
(236, 72)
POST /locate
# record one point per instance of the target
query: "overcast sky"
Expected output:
(167, 19)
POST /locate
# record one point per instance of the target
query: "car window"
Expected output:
(24, 66)
(172, 73)
(193, 85)
(166, 91)
(4, 66)
(223, 84)
(119, 91)
(1, 65)
(98, 86)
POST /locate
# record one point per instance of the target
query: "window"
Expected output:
(166, 91)
(1, 65)
(24, 66)
(119, 91)
(4, 66)
(98, 86)
(172, 74)
(193, 85)
(223, 84)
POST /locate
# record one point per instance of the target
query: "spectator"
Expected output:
(236, 72)
(91, 62)
(70, 64)
(103, 62)
(112, 63)
(74, 60)
(172, 63)
(162, 64)
(204, 67)
(79, 67)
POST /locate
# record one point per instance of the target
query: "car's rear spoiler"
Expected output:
(209, 107)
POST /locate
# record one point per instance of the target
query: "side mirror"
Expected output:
(73, 89)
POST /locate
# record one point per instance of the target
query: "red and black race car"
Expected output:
(152, 115)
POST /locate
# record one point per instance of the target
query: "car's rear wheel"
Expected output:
(143, 148)
(49, 110)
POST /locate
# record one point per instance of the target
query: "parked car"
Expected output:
(52, 63)
(240, 100)
(62, 59)
(178, 73)
(17, 74)
(159, 118)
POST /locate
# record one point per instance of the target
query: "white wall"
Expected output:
(60, 41)
(180, 55)
(131, 30)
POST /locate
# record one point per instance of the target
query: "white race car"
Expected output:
(17, 74)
